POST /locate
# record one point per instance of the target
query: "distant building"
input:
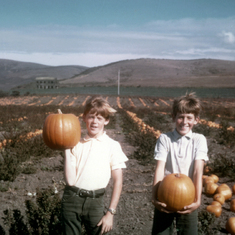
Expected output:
(46, 83)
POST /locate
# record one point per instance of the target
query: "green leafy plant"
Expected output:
(16, 223)
(207, 223)
(43, 216)
(144, 141)
(226, 136)
(223, 165)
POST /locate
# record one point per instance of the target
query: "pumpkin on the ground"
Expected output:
(216, 203)
(216, 210)
(61, 131)
(215, 177)
(176, 191)
(207, 180)
(225, 190)
(233, 189)
(207, 170)
(232, 205)
(219, 198)
(210, 188)
(230, 225)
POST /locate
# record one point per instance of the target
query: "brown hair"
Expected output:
(188, 103)
(98, 106)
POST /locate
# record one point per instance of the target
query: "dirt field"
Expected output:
(135, 211)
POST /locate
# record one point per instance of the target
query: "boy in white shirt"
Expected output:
(88, 168)
(180, 151)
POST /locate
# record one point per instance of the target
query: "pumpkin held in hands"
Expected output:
(176, 191)
(61, 131)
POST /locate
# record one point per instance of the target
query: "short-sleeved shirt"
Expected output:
(94, 159)
(180, 152)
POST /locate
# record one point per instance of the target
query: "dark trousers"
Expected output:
(163, 223)
(78, 210)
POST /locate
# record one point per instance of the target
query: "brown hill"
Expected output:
(15, 73)
(140, 72)
(160, 73)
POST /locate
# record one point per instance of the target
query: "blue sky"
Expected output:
(98, 32)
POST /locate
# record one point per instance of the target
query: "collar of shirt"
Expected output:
(178, 136)
(100, 138)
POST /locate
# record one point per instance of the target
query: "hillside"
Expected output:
(160, 73)
(140, 72)
(15, 73)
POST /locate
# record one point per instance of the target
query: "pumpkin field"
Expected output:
(32, 179)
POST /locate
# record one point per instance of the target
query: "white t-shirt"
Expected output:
(180, 152)
(94, 159)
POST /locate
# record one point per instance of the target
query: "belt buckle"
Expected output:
(84, 193)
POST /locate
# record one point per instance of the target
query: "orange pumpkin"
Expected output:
(225, 190)
(215, 177)
(210, 188)
(176, 191)
(232, 205)
(216, 210)
(233, 189)
(208, 180)
(230, 225)
(61, 131)
(216, 203)
(207, 169)
(203, 177)
(219, 198)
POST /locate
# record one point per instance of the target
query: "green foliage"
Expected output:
(225, 136)
(203, 129)
(112, 123)
(9, 166)
(19, 150)
(2, 231)
(223, 165)
(43, 216)
(4, 186)
(17, 121)
(143, 141)
(29, 169)
(15, 221)
(207, 223)
(3, 94)
(145, 144)
(158, 121)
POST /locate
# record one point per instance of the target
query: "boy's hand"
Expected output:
(190, 208)
(106, 222)
(160, 206)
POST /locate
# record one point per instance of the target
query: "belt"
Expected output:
(86, 193)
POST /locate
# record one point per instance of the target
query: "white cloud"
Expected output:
(194, 51)
(229, 37)
(176, 39)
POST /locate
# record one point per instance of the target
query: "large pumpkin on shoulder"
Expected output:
(176, 191)
(61, 131)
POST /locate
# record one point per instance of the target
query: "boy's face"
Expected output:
(184, 122)
(95, 124)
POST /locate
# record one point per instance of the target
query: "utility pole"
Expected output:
(118, 82)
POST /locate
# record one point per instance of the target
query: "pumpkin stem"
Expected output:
(59, 111)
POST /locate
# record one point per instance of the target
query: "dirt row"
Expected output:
(77, 100)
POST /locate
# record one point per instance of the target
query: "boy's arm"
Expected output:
(197, 180)
(107, 219)
(69, 169)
